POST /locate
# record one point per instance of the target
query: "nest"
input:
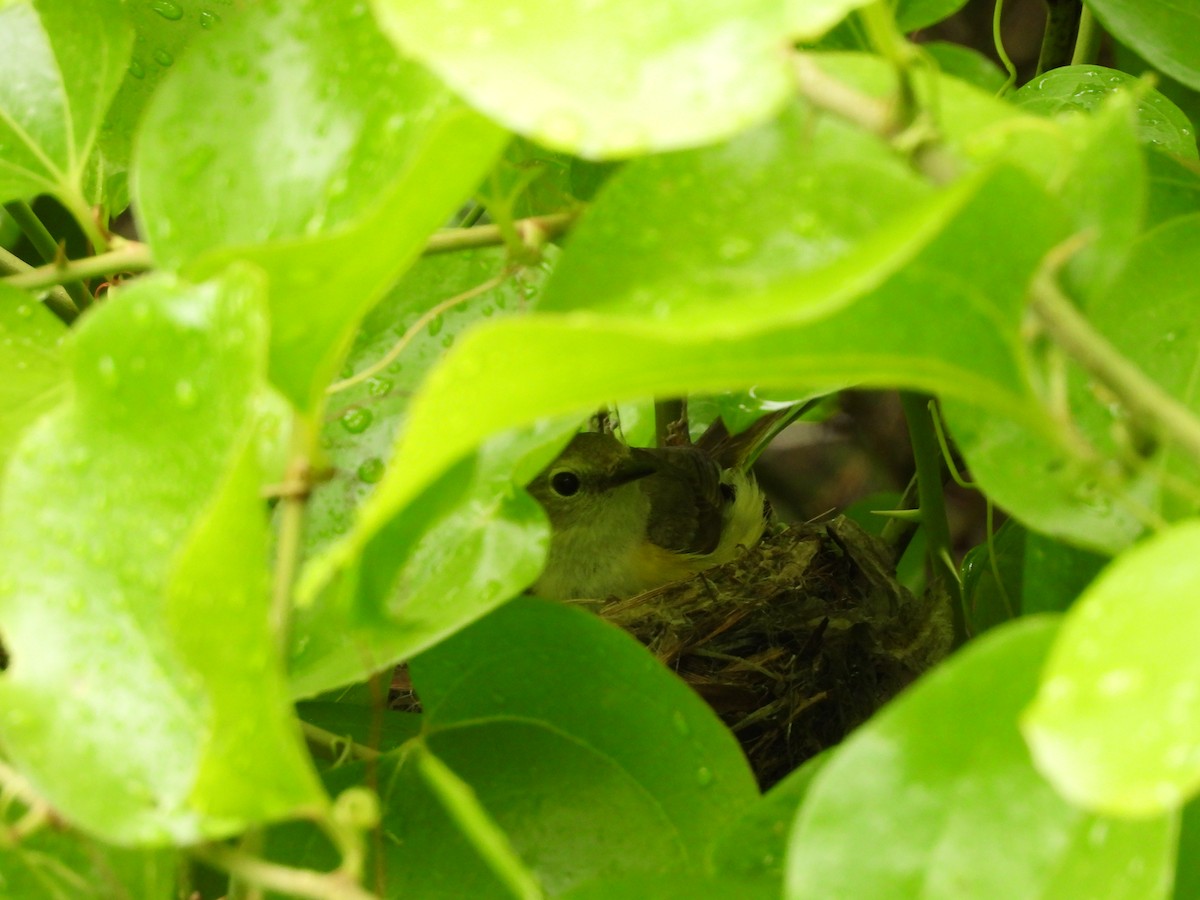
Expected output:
(795, 643)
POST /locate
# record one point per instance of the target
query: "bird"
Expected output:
(624, 520)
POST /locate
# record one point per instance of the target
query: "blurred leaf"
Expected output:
(515, 706)
(964, 814)
(608, 80)
(1173, 188)
(1162, 282)
(808, 20)
(141, 699)
(755, 844)
(1116, 721)
(478, 540)
(162, 31)
(334, 160)
(912, 15)
(966, 64)
(1160, 123)
(1037, 474)
(32, 370)
(1187, 873)
(1167, 34)
(676, 886)
(952, 318)
(60, 64)
(53, 864)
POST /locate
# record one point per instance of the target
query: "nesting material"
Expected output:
(796, 642)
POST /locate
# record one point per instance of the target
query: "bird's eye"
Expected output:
(564, 484)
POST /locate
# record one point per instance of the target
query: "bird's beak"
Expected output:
(639, 465)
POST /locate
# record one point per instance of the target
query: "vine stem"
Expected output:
(339, 747)
(919, 414)
(281, 879)
(294, 498)
(413, 330)
(130, 256)
(1088, 347)
(57, 300)
(1087, 43)
(544, 227)
(1062, 29)
(47, 247)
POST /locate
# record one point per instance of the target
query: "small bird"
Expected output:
(626, 519)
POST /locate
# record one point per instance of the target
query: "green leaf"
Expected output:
(1187, 873)
(952, 314)
(969, 65)
(808, 20)
(1116, 722)
(936, 797)
(672, 237)
(1167, 34)
(60, 64)
(1036, 574)
(514, 706)
(1173, 189)
(617, 79)
(413, 586)
(912, 15)
(136, 603)
(1160, 123)
(676, 886)
(755, 844)
(162, 32)
(1037, 473)
(53, 864)
(334, 160)
(31, 363)
(1160, 280)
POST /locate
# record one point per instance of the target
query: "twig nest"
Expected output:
(796, 642)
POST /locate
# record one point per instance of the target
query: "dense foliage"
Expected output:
(283, 451)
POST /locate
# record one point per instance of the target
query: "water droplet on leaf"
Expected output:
(136, 69)
(163, 58)
(208, 19)
(379, 387)
(356, 420)
(371, 470)
(168, 9)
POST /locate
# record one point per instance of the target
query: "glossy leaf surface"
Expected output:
(138, 605)
(31, 360)
(1116, 722)
(967, 813)
(60, 64)
(325, 145)
(1167, 34)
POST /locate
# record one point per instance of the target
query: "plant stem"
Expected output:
(667, 413)
(281, 879)
(56, 299)
(918, 413)
(298, 484)
(413, 330)
(1062, 28)
(337, 746)
(1083, 343)
(131, 256)
(477, 826)
(998, 41)
(832, 96)
(1087, 43)
(46, 246)
(450, 239)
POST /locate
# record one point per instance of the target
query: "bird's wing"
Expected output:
(688, 512)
